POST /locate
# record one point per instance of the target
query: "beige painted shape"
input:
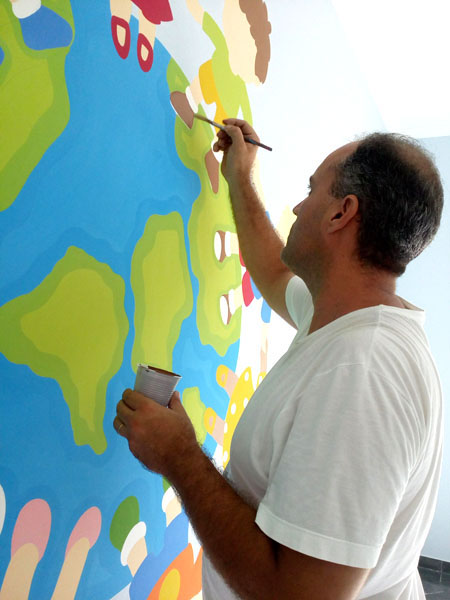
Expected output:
(173, 509)
(121, 8)
(69, 577)
(240, 42)
(137, 555)
(147, 28)
(19, 574)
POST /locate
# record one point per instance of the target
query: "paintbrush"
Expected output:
(219, 126)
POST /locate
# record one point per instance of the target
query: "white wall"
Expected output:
(426, 283)
(331, 79)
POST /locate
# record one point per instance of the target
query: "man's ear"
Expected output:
(342, 212)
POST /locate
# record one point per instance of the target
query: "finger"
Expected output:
(124, 412)
(236, 135)
(222, 135)
(239, 137)
(237, 122)
(244, 126)
(133, 399)
(120, 427)
(126, 395)
(175, 403)
(223, 138)
(222, 145)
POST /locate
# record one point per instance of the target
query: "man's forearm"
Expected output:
(259, 242)
(225, 525)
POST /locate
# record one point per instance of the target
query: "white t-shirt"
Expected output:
(340, 446)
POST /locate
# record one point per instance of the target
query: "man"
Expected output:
(334, 469)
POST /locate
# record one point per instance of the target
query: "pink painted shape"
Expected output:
(88, 526)
(32, 526)
(247, 290)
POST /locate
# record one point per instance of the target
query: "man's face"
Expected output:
(306, 246)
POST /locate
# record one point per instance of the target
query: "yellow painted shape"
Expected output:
(209, 420)
(210, 213)
(38, 80)
(240, 397)
(34, 104)
(162, 290)
(79, 311)
(170, 588)
(72, 328)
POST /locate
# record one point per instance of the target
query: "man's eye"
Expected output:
(308, 187)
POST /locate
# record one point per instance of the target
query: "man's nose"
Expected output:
(297, 208)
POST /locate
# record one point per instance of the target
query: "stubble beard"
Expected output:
(306, 263)
(289, 258)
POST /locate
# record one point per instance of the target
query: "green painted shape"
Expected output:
(72, 328)
(34, 103)
(196, 410)
(124, 519)
(231, 89)
(162, 290)
(210, 213)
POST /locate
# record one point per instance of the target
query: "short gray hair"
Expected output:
(400, 196)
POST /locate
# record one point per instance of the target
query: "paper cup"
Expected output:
(155, 383)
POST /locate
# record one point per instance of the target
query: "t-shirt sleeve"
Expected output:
(337, 485)
(299, 302)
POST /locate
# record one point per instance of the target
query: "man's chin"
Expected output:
(285, 257)
(291, 262)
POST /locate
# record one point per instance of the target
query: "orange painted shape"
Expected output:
(190, 577)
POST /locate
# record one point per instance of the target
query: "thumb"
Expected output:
(175, 403)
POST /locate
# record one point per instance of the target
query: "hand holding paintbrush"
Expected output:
(238, 153)
(248, 139)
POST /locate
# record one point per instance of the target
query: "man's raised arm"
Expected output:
(260, 244)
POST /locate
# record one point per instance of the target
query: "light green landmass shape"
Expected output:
(34, 103)
(162, 290)
(195, 408)
(210, 213)
(123, 521)
(72, 328)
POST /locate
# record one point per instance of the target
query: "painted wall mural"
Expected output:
(117, 247)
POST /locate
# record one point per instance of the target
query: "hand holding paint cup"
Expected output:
(156, 383)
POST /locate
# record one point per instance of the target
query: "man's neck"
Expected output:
(343, 293)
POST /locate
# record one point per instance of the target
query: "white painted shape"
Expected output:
(184, 39)
(124, 594)
(194, 541)
(217, 245)
(224, 309)
(2, 508)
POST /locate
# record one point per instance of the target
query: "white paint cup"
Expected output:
(156, 383)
